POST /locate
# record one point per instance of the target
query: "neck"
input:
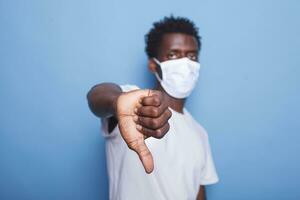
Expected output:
(174, 103)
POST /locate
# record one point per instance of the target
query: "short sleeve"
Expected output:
(208, 173)
(127, 88)
(104, 121)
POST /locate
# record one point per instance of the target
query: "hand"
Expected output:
(152, 115)
(142, 113)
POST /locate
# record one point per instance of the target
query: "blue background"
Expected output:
(52, 52)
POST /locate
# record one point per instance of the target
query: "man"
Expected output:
(143, 161)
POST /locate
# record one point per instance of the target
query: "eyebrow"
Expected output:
(178, 50)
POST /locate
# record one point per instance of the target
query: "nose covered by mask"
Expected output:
(179, 77)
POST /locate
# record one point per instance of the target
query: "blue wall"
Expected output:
(52, 52)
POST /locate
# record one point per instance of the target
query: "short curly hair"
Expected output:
(169, 25)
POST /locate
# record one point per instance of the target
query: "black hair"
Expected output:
(169, 25)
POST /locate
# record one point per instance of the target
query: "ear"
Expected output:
(152, 66)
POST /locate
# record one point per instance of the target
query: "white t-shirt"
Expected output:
(182, 162)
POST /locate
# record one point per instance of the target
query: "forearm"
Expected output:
(102, 99)
(201, 193)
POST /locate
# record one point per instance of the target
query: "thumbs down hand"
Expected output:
(142, 114)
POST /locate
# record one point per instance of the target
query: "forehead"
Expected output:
(178, 41)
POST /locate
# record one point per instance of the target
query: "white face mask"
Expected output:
(179, 77)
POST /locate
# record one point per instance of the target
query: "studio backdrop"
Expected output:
(52, 52)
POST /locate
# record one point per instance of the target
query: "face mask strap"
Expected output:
(156, 60)
(155, 73)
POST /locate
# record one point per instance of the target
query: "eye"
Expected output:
(192, 56)
(172, 55)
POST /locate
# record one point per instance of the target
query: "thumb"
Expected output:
(140, 147)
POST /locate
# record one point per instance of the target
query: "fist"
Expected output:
(142, 114)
